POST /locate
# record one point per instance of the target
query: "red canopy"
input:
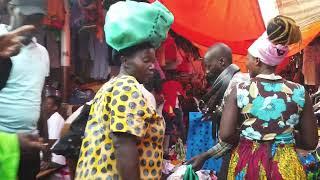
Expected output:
(236, 23)
(205, 22)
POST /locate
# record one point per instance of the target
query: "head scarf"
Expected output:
(268, 52)
(129, 23)
(272, 47)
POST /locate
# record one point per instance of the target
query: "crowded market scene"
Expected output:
(159, 89)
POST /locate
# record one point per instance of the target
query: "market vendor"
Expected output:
(124, 134)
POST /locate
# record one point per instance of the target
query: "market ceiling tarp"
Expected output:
(238, 23)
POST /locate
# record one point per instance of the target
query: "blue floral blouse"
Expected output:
(270, 109)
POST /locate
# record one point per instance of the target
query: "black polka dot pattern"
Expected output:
(132, 105)
(124, 98)
(103, 170)
(119, 126)
(126, 88)
(135, 95)
(120, 106)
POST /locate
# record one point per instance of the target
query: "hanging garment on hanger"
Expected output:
(56, 14)
(99, 55)
(311, 64)
(200, 140)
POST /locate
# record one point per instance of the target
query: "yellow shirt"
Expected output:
(119, 106)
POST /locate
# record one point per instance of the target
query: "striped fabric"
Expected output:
(305, 12)
(219, 149)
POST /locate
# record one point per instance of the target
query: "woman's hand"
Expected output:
(29, 142)
(197, 162)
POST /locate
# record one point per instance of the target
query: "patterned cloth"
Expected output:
(200, 140)
(120, 106)
(219, 149)
(252, 160)
(311, 63)
(311, 163)
(271, 107)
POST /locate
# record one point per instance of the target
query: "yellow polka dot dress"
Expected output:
(119, 106)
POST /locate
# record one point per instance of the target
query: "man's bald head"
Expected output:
(216, 60)
(219, 51)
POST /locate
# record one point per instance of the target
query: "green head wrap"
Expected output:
(129, 23)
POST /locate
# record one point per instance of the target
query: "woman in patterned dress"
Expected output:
(124, 134)
(272, 115)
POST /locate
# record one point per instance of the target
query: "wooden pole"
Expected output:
(65, 51)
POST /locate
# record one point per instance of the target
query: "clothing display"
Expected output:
(271, 107)
(311, 164)
(89, 54)
(52, 42)
(190, 174)
(170, 90)
(92, 14)
(99, 55)
(200, 140)
(311, 64)
(22, 93)
(113, 111)
(55, 14)
(185, 172)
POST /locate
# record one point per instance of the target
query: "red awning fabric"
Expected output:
(205, 22)
(235, 23)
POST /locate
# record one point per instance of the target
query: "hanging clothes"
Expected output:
(99, 55)
(200, 140)
(52, 43)
(171, 89)
(55, 14)
(93, 14)
(168, 55)
(311, 63)
(160, 54)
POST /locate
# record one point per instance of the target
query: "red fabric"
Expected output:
(233, 22)
(170, 90)
(283, 65)
(56, 14)
(185, 65)
(93, 12)
(170, 49)
(236, 23)
(250, 158)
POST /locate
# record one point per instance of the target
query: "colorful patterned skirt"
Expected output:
(267, 160)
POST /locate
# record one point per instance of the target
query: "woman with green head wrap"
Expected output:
(124, 134)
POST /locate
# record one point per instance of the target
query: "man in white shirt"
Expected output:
(55, 124)
(20, 97)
